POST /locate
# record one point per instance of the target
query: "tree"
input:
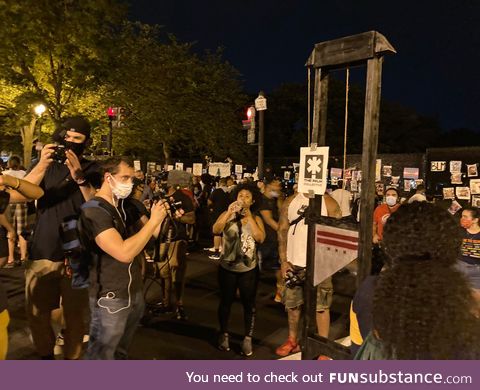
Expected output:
(181, 104)
(56, 53)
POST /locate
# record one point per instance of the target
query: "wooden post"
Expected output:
(369, 157)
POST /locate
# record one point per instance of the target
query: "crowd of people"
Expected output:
(94, 226)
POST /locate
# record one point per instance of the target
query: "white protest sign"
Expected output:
(169, 167)
(151, 166)
(260, 103)
(219, 169)
(179, 166)
(313, 170)
(238, 168)
(137, 165)
(189, 169)
(197, 169)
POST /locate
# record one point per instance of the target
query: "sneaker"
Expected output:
(223, 343)
(180, 314)
(247, 349)
(278, 297)
(287, 348)
(215, 256)
(212, 249)
(60, 338)
(161, 308)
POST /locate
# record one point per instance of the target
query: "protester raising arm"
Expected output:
(20, 190)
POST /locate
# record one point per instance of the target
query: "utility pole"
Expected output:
(261, 106)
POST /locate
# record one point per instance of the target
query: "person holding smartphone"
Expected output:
(242, 231)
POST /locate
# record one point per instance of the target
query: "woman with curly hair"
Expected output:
(422, 307)
(242, 231)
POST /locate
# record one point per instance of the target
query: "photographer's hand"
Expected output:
(38, 172)
(74, 166)
(159, 212)
(46, 156)
(285, 267)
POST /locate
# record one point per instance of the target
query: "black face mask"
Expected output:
(74, 147)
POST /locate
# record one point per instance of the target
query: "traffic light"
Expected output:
(121, 116)
(251, 127)
(112, 113)
(117, 115)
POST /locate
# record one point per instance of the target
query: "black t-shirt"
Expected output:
(179, 231)
(220, 202)
(62, 199)
(108, 274)
(271, 205)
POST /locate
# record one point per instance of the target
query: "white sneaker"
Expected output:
(212, 249)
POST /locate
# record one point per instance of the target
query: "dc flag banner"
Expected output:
(313, 170)
(334, 249)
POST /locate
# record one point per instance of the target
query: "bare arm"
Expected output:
(188, 218)
(20, 190)
(37, 174)
(268, 218)
(258, 229)
(282, 233)
(111, 242)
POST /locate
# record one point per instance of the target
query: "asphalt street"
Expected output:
(163, 337)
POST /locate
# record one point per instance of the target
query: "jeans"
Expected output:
(113, 326)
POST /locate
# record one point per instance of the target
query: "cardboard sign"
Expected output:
(313, 170)
(197, 169)
(238, 168)
(137, 165)
(219, 169)
(179, 166)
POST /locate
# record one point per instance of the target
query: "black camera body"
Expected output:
(295, 278)
(59, 154)
(162, 195)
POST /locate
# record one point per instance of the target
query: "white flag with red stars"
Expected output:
(334, 249)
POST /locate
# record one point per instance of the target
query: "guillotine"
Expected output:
(356, 50)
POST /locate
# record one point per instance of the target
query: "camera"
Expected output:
(162, 195)
(59, 154)
(295, 278)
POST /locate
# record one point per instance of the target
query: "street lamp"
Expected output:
(39, 109)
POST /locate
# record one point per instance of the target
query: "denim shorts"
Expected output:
(471, 272)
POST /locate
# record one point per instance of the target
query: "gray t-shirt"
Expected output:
(239, 253)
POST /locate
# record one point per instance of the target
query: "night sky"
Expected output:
(434, 71)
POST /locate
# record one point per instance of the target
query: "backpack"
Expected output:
(76, 243)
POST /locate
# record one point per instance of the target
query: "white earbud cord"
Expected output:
(111, 294)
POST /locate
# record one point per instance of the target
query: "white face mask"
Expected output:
(120, 190)
(391, 200)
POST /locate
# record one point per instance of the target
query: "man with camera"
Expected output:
(171, 249)
(292, 248)
(116, 288)
(68, 181)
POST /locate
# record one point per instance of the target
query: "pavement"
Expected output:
(163, 337)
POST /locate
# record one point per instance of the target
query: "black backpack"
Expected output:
(77, 244)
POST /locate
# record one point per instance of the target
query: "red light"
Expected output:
(250, 112)
(110, 111)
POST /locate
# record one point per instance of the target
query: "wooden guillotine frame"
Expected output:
(355, 50)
